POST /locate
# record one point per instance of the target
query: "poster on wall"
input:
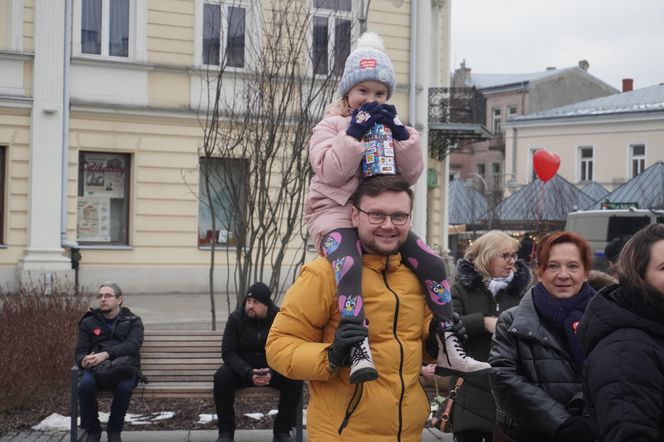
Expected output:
(94, 218)
(104, 175)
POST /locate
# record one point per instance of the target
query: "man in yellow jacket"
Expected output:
(306, 341)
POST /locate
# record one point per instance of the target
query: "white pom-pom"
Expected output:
(371, 40)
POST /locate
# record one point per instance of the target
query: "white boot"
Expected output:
(452, 359)
(362, 368)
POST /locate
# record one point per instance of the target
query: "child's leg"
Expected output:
(430, 269)
(342, 248)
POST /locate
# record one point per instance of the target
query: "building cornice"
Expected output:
(626, 117)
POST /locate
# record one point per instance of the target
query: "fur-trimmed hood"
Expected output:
(470, 278)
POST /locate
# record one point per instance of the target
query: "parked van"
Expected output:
(599, 227)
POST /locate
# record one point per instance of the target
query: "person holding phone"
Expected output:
(245, 365)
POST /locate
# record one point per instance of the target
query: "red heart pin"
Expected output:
(546, 164)
(96, 331)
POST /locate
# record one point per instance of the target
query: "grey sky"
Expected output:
(620, 39)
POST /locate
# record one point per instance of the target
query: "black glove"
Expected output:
(363, 119)
(399, 131)
(576, 428)
(350, 331)
(458, 327)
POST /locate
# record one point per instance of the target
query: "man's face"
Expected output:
(255, 309)
(109, 304)
(385, 238)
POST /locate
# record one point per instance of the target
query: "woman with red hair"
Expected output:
(536, 357)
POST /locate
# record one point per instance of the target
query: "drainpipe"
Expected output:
(514, 131)
(420, 206)
(65, 131)
(413, 62)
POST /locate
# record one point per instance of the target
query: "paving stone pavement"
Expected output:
(428, 435)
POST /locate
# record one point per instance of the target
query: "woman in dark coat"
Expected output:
(488, 281)
(622, 333)
(536, 357)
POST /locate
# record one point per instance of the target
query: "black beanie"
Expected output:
(260, 292)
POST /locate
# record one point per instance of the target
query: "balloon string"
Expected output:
(540, 207)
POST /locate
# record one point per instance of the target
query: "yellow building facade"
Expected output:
(126, 97)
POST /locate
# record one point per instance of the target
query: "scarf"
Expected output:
(565, 314)
(497, 284)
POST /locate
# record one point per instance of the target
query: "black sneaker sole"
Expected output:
(364, 375)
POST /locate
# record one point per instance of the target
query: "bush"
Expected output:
(38, 333)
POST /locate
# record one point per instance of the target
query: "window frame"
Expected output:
(496, 120)
(252, 33)
(512, 111)
(80, 193)
(137, 49)
(3, 201)
(238, 164)
(632, 158)
(331, 15)
(582, 163)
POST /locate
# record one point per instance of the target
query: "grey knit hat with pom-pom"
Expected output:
(368, 62)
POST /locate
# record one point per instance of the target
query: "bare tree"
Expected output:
(254, 168)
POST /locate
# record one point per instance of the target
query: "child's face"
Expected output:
(367, 92)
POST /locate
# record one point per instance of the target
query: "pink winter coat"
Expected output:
(335, 158)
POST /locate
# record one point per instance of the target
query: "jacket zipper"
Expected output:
(352, 405)
(396, 337)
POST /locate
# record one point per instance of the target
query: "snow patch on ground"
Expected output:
(58, 422)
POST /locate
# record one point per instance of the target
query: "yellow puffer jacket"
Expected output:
(392, 408)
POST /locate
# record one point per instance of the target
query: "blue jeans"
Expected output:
(87, 399)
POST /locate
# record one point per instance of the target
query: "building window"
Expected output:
(585, 163)
(511, 111)
(637, 153)
(228, 187)
(331, 35)
(103, 198)
(225, 25)
(495, 177)
(496, 120)
(2, 194)
(105, 27)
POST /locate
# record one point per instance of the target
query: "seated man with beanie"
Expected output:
(245, 365)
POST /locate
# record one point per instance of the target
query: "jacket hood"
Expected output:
(605, 314)
(469, 277)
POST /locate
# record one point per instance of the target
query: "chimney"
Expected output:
(584, 65)
(628, 84)
(462, 77)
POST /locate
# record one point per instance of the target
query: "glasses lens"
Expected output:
(399, 219)
(376, 217)
(104, 295)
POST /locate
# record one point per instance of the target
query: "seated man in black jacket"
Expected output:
(245, 365)
(107, 332)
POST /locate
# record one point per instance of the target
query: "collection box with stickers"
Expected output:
(378, 156)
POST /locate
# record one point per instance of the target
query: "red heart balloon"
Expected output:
(546, 164)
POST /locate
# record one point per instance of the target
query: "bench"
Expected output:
(180, 364)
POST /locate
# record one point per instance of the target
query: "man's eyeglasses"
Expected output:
(398, 219)
(105, 296)
(509, 256)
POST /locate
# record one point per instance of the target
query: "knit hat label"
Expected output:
(368, 63)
